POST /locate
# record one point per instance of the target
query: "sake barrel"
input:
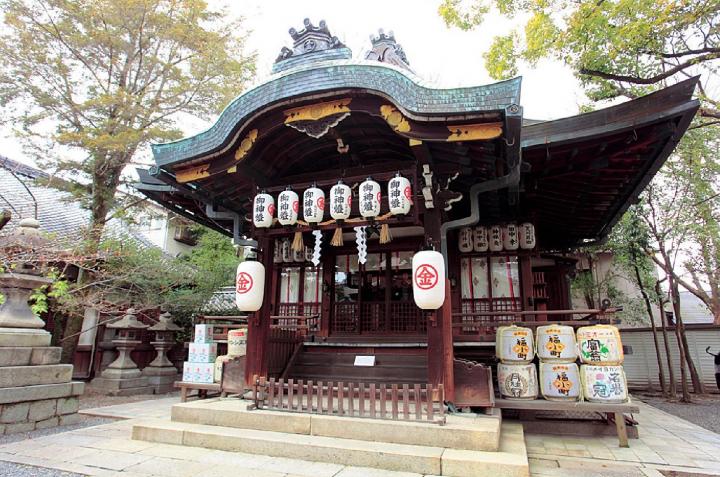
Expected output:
(603, 383)
(514, 344)
(560, 381)
(517, 381)
(556, 344)
(600, 344)
(237, 342)
(217, 374)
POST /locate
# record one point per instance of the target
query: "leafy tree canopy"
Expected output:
(616, 47)
(105, 78)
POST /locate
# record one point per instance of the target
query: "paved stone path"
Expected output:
(666, 443)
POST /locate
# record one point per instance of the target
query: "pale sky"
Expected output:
(445, 57)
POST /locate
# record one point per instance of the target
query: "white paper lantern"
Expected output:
(249, 285)
(313, 205)
(263, 210)
(286, 251)
(277, 252)
(370, 197)
(428, 269)
(298, 255)
(496, 239)
(465, 240)
(480, 239)
(399, 195)
(527, 236)
(340, 201)
(510, 237)
(288, 206)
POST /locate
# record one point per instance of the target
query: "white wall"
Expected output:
(641, 365)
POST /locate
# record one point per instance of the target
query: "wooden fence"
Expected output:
(418, 402)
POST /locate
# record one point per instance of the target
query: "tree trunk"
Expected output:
(680, 331)
(648, 307)
(672, 388)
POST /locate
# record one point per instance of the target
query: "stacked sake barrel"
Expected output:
(517, 377)
(559, 373)
(602, 375)
(237, 346)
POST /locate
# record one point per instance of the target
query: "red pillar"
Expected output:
(256, 363)
(439, 338)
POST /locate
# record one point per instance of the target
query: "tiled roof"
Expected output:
(407, 91)
(58, 212)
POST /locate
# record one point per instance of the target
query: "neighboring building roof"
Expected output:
(222, 302)
(693, 310)
(59, 212)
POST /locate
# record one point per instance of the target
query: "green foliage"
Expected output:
(616, 47)
(110, 77)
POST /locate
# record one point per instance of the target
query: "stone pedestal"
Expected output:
(36, 391)
(160, 372)
(122, 377)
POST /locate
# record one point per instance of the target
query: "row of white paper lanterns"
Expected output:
(428, 272)
(497, 238)
(313, 204)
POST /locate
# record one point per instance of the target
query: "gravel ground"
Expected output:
(703, 411)
(9, 469)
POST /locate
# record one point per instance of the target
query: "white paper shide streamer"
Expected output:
(361, 241)
(318, 244)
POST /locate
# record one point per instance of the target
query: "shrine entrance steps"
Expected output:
(466, 445)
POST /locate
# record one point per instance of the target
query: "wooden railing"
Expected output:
(409, 402)
(484, 323)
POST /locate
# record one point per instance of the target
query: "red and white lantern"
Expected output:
(480, 239)
(313, 205)
(288, 206)
(370, 197)
(399, 195)
(428, 275)
(510, 237)
(527, 236)
(340, 201)
(249, 285)
(263, 210)
(496, 239)
(465, 240)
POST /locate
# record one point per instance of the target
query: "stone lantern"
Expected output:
(122, 377)
(161, 373)
(37, 391)
(19, 326)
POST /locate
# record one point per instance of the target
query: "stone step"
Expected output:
(16, 376)
(470, 432)
(29, 356)
(42, 391)
(509, 461)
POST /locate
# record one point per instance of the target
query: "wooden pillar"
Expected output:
(439, 334)
(259, 322)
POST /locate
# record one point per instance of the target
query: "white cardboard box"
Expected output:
(202, 352)
(198, 372)
(204, 333)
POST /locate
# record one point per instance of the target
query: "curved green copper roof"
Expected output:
(404, 89)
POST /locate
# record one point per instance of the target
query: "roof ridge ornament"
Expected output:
(310, 39)
(386, 50)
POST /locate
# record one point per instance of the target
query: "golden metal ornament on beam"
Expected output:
(474, 132)
(313, 112)
(192, 173)
(394, 118)
(246, 145)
